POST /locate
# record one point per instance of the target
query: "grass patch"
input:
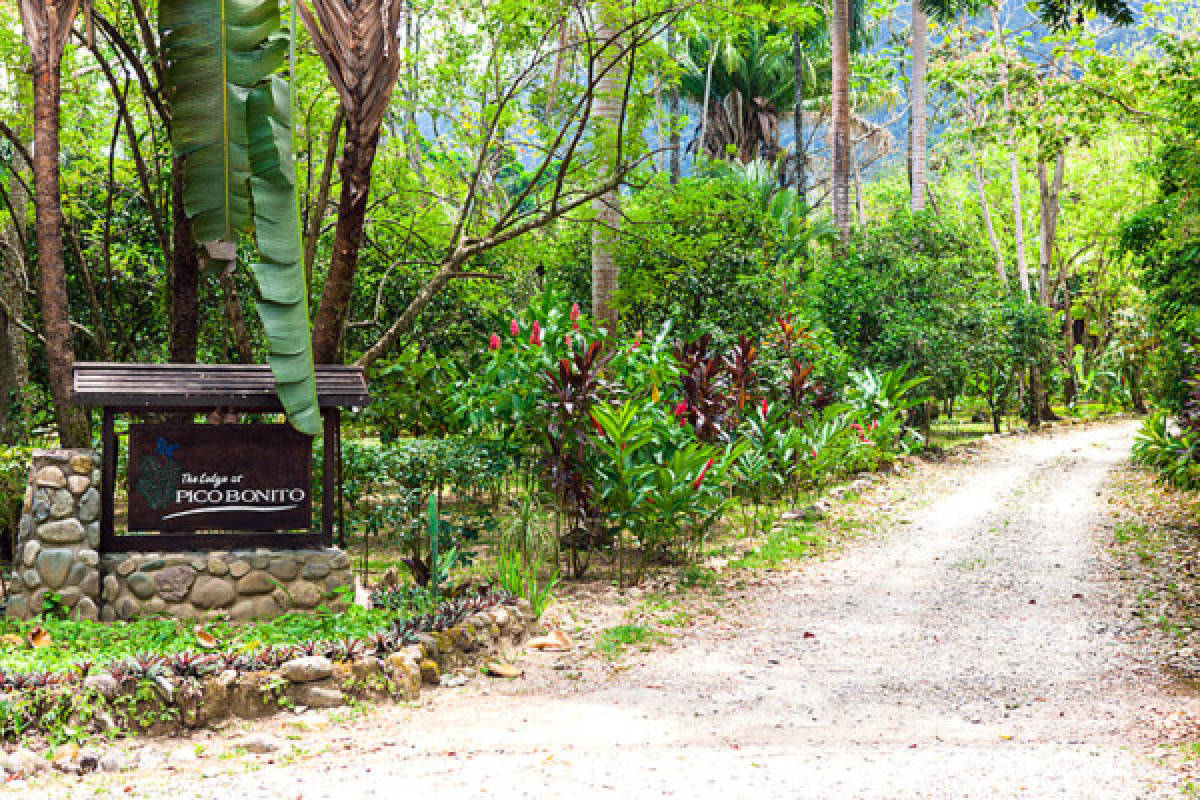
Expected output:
(612, 642)
(788, 543)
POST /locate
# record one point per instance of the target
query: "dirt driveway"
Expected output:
(977, 648)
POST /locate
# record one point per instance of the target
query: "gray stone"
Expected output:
(81, 464)
(70, 596)
(16, 606)
(26, 526)
(40, 509)
(93, 535)
(125, 607)
(103, 684)
(111, 587)
(15, 584)
(37, 600)
(337, 580)
(86, 609)
(216, 565)
(107, 614)
(315, 569)
(304, 594)
(182, 611)
(307, 669)
(152, 564)
(96, 477)
(267, 607)
(141, 584)
(114, 761)
(256, 582)
(155, 605)
(77, 484)
(89, 557)
(339, 560)
(174, 583)
(259, 561)
(51, 476)
(78, 571)
(197, 564)
(208, 593)
(239, 568)
(89, 759)
(54, 564)
(259, 744)
(285, 569)
(127, 566)
(62, 504)
(63, 531)
(319, 696)
(29, 557)
(89, 505)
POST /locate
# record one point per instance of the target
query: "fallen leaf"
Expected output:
(204, 638)
(500, 670)
(555, 641)
(12, 639)
(40, 637)
(809, 635)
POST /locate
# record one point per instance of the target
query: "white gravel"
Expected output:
(979, 651)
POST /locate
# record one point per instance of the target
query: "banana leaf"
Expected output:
(279, 269)
(216, 52)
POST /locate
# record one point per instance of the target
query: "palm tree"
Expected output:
(47, 25)
(608, 111)
(920, 123)
(743, 84)
(839, 35)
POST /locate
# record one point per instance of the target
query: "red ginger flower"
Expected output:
(575, 312)
(536, 336)
(696, 483)
(765, 407)
(515, 327)
(494, 344)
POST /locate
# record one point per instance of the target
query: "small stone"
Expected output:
(208, 593)
(111, 587)
(154, 563)
(305, 595)
(29, 557)
(81, 464)
(93, 535)
(182, 611)
(154, 606)
(259, 561)
(259, 744)
(62, 503)
(315, 570)
(114, 761)
(89, 505)
(125, 607)
(31, 579)
(239, 568)
(108, 614)
(174, 583)
(88, 557)
(319, 697)
(70, 596)
(85, 609)
(90, 585)
(103, 684)
(78, 571)
(54, 564)
(16, 608)
(197, 564)
(337, 581)
(51, 476)
(256, 582)
(307, 669)
(89, 759)
(430, 673)
(242, 611)
(285, 569)
(267, 607)
(127, 566)
(216, 565)
(63, 531)
(26, 525)
(340, 560)
(78, 484)
(141, 584)
(96, 477)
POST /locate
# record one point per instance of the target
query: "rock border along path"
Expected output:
(978, 648)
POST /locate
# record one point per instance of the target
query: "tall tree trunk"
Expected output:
(1014, 169)
(676, 165)
(860, 210)
(14, 351)
(1050, 190)
(184, 297)
(72, 422)
(920, 43)
(798, 57)
(358, 156)
(984, 209)
(237, 319)
(840, 122)
(608, 112)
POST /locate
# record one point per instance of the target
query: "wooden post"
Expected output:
(108, 479)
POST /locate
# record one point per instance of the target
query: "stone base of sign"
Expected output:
(56, 543)
(57, 555)
(237, 584)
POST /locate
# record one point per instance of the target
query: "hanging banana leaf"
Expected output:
(279, 270)
(216, 52)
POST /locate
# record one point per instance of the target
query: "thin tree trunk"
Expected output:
(676, 164)
(1050, 191)
(237, 319)
(920, 42)
(1001, 272)
(798, 121)
(72, 422)
(316, 217)
(840, 124)
(329, 329)
(184, 333)
(14, 352)
(856, 171)
(1014, 169)
(712, 59)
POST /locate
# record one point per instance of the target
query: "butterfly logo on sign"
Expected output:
(160, 475)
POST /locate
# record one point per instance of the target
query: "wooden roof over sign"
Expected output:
(241, 387)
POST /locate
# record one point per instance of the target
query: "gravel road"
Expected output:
(976, 648)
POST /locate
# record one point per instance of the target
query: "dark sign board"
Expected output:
(219, 477)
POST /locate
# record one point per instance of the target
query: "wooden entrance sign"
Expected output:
(243, 485)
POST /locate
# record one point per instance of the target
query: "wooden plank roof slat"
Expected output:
(249, 387)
